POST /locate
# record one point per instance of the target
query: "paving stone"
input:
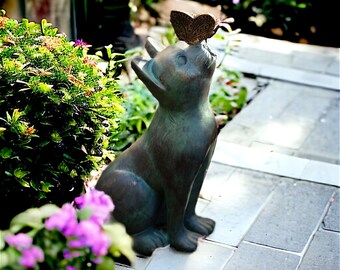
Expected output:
(122, 267)
(323, 253)
(260, 121)
(139, 264)
(255, 257)
(242, 65)
(331, 221)
(307, 60)
(261, 109)
(285, 222)
(202, 203)
(208, 255)
(286, 61)
(259, 160)
(321, 157)
(308, 106)
(286, 131)
(299, 76)
(322, 172)
(313, 140)
(323, 142)
(236, 205)
(216, 177)
(261, 56)
(273, 148)
(238, 133)
(333, 68)
(245, 126)
(295, 123)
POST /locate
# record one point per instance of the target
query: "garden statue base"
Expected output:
(156, 182)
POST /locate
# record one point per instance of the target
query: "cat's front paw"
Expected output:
(185, 240)
(147, 241)
(201, 225)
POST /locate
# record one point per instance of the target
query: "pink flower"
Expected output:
(80, 43)
(19, 241)
(31, 256)
(97, 201)
(89, 234)
(101, 245)
(65, 220)
(71, 254)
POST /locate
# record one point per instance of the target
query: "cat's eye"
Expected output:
(181, 59)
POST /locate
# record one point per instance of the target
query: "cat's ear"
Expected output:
(145, 71)
(153, 47)
(146, 74)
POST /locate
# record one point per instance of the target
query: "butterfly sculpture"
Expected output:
(194, 29)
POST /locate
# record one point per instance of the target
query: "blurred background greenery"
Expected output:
(101, 22)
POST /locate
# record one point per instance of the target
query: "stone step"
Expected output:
(283, 60)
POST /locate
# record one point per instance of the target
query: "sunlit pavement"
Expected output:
(273, 184)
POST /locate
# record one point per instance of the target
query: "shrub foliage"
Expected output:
(58, 111)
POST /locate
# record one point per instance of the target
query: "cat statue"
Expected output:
(156, 182)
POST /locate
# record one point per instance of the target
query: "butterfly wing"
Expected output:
(203, 27)
(193, 30)
(181, 23)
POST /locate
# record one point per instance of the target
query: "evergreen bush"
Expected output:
(58, 113)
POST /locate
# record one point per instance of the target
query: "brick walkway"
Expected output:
(273, 184)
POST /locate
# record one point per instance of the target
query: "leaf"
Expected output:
(33, 217)
(3, 235)
(23, 183)
(44, 26)
(73, 173)
(18, 173)
(302, 5)
(6, 152)
(44, 143)
(29, 218)
(106, 264)
(46, 186)
(16, 115)
(63, 167)
(8, 173)
(56, 137)
(34, 185)
(48, 209)
(120, 241)
(9, 257)
(242, 96)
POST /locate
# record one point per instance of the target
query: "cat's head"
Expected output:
(178, 74)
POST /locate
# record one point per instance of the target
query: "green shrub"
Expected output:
(140, 106)
(227, 97)
(58, 111)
